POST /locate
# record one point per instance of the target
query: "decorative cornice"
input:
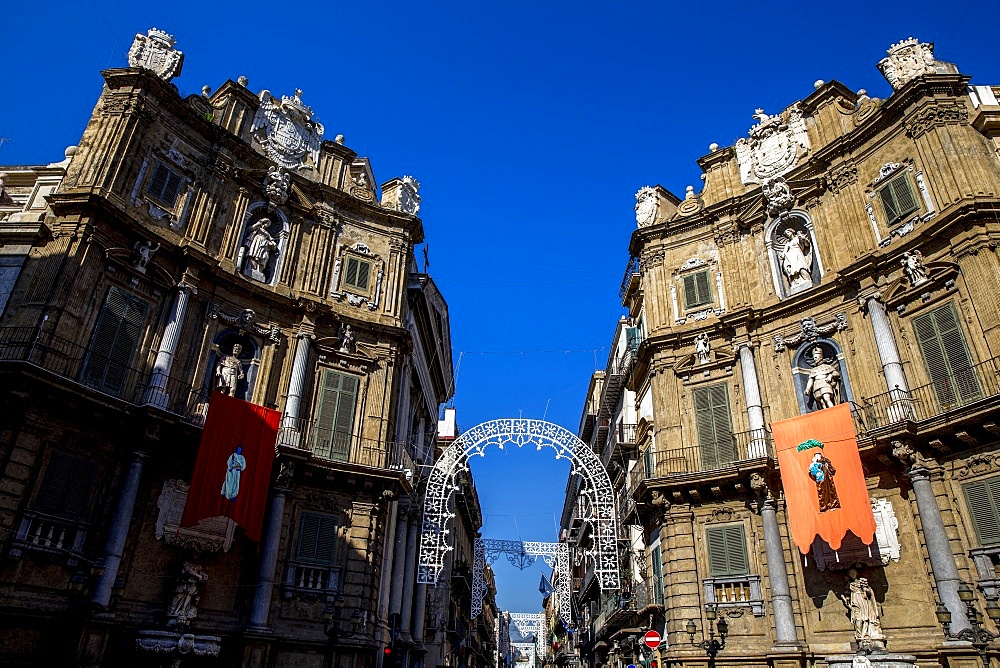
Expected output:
(939, 113)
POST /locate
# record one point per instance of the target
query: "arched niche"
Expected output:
(270, 237)
(803, 364)
(796, 265)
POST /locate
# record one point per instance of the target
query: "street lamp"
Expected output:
(977, 635)
(711, 645)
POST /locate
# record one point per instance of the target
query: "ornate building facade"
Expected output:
(843, 252)
(215, 242)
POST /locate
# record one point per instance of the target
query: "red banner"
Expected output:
(233, 470)
(825, 490)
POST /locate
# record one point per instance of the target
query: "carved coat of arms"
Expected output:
(155, 51)
(906, 61)
(409, 200)
(774, 146)
(287, 132)
(647, 206)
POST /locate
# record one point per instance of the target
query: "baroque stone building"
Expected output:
(188, 244)
(843, 252)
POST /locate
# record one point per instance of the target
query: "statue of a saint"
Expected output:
(703, 348)
(795, 254)
(229, 372)
(913, 267)
(346, 339)
(823, 386)
(260, 246)
(821, 471)
(864, 610)
(184, 604)
(234, 466)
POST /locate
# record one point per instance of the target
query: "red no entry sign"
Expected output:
(652, 639)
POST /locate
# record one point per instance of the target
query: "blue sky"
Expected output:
(530, 127)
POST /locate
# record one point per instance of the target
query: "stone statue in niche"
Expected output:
(823, 386)
(346, 339)
(913, 267)
(703, 348)
(229, 372)
(796, 256)
(184, 604)
(863, 609)
(260, 246)
(142, 253)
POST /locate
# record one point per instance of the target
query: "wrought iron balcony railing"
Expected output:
(964, 387)
(327, 443)
(676, 460)
(102, 374)
(631, 269)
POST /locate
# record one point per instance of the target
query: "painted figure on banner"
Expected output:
(823, 386)
(822, 472)
(229, 372)
(235, 465)
(795, 253)
(863, 609)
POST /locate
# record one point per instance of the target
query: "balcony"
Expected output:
(631, 272)
(967, 389)
(667, 462)
(325, 443)
(102, 375)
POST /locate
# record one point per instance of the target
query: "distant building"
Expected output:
(188, 244)
(844, 252)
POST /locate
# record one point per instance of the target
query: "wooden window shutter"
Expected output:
(982, 499)
(714, 425)
(364, 272)
(317, 538)
(697, 290)
(65, 490)
(116, 335)
(946, 357)
(165, 184)
(897, 198)
(357, 273)
(351, 274)
(727, 551)
(657, 560)
(334, 422)
(632, 338)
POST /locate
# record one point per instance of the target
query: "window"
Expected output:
(165, 185)
(657, 560)
(727, 551)
(897, 198)
(358, 273)
(10, 268)
(714, 425)
(983, 499)
(116, 335)
(338, 396)
(697, 290)
(946, 357)
(55, 521)
(315, 552)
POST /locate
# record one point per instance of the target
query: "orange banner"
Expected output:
(825, 491)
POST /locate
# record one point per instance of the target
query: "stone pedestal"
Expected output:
(874, 660)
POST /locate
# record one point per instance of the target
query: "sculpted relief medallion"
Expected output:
(774, 147)
(287, 132)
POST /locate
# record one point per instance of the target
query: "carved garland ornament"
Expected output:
(810, 331)
(245, 322)
(597, 490)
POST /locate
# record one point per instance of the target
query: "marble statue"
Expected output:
(863, 609)
(913, 267)
(260, 245)
(184, 604)
(229, 372)
(795, 254)
(142, 254)
(703, 348)
(823, 385)
(346, 339)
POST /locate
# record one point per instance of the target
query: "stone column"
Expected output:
(118, 532)
(938, 547)
(888, 354)
(410, 578)
(260, 608)
(156, 394)
(755, 411)
(777, 574)
(420, 613)
(398, 562)
(299, 366)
